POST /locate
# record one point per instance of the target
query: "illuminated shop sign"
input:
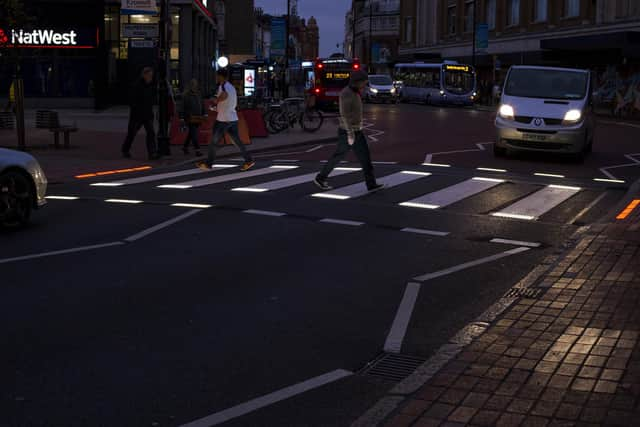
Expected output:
(49, 38)
(457, 68)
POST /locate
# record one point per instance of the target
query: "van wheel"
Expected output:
(499, 151)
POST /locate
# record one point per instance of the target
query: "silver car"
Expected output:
(22, 187)
(546, 109)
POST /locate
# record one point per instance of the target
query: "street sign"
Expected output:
(141, 31)
(482, 38)
(278, 36)
(138, 7)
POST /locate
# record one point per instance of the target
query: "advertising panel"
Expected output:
(138, 7)
(278, 36)
(49, 38)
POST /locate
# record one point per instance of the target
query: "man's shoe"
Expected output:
(375, 188)
(203, 165)
(247, 165)
(126, 154)
(322, 184)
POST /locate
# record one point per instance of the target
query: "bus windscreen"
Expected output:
(459, 79)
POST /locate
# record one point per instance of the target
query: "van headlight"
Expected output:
(393, 90)
(374, 90)
(441, 92)
(506, 111)
(573, 116)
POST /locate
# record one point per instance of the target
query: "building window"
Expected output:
(571, 8)
(408, 29)
(627, 8)
(540, 11)
(468, 16)
(491, 14)
(513, 17)
(451, 20)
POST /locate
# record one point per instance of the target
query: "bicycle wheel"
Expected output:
(268, 119)
(279, 121)
(311, 120)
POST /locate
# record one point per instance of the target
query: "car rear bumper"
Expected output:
(557, 139)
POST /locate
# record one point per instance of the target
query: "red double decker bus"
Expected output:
(330, 76)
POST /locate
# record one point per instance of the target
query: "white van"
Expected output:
(545, 109)
(380, 87)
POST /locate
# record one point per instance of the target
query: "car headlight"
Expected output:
(573, 116)
(441, 92)
(475, 94)
(506, 111)
(374, 90)
(393, 90)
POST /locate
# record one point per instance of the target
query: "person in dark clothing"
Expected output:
(141, 114)
(193, 115)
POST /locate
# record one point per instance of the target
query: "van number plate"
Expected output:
(534, 137)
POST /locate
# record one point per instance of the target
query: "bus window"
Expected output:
(458, 81)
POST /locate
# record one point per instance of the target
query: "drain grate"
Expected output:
(392, 367)
(524, 293)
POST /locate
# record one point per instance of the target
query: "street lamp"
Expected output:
(285, 87)
(163, 83)
(473, 48)
(223, 61)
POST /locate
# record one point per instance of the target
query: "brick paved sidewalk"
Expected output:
(570, 356)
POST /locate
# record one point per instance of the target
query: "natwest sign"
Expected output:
(49, 38)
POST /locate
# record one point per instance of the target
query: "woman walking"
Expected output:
(193, 115)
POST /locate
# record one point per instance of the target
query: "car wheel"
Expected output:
(16, 199)
(499, 151)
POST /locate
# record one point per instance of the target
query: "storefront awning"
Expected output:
(627, 43)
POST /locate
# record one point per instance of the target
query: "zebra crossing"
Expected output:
(425, 191)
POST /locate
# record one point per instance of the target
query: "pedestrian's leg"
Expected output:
(194, 131)
(151, 138)
(218, 132)
(361, 148)
(232, 129)
(133, 128)
(342, 149)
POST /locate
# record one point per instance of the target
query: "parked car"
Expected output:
(380, 88)
(546, 109)
(23, 185)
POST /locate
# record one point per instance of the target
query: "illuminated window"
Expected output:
(571, 8)
(540, 11)
(513, 18)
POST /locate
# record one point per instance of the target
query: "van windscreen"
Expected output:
(551, 84)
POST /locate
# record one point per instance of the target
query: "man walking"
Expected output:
(141, 114)
(226, 121)
(350, 134)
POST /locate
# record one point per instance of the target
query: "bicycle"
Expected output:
(296, 110)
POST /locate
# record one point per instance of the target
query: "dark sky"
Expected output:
(328, 13)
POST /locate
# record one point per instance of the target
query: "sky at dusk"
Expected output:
(328, 13)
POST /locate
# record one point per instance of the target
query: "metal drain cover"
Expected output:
(524, 293)
(392, 367)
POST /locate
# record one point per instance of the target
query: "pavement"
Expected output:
(563, 348)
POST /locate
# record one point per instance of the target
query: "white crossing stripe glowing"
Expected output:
(290, 182)
(423, 231)
(191, 205)
(617, 181)
(516, 242)
(439, 165)
(551, 175)
(161, 176)
(62, 198)
(269, 399)
(341, 222)
(265, 213)
(454, 193)
(232, 176)
(538, 203)
(393, 343)
(131, 202)
(360, 189)
(160, 226)
(491, 170)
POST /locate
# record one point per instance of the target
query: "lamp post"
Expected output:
(473, 48)
(285, 86)
(163, 84)
(370, 36)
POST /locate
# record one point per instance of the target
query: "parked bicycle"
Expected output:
(291, 111)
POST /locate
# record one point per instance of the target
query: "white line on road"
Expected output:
(265, 213)
(423, 231)
(341, 221)
(292, 181)
(630, 156)
(269, 399)
(311, 150)
(429, 157)
(492, 170)
(538, 203)
(454, 193)
(516, 242)
(61, 252)
(127, 201)
(232, 177)
(62, 197)
(160, 226)
(615, 181)
(587, 208)
(393, 344)
(360, 189)
(191, 205)
(470, 264)
(550, 175)
(161, 176)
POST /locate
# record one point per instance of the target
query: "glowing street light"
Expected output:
(223, 61)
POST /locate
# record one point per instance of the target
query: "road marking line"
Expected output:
(480, 146)
(587, 208)
(311, 150)
(470, 264)
(191, 205)
(453, 193)
(61, 252)
(160, 226)
(615, 181)
(232, 176)
(128, 201)
(161, 176)
(630, 156)
(538, 203)
(423, 231)
(62, 197)
(438, 165)
(106, 184)
(266, 213)
(269, 399)
(516, 242)
(384, 163)
(250, 190)
(341, 221)
(550, 175)
(360, 189)
(393, 344)
(286, 160)
(112, 172)
(630, 207)
(290, 182)
(492, 170)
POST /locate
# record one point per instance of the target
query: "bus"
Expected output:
(448, 83)
(328, 78)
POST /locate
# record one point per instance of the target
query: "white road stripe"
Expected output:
(393, 344)
(160, 226)
(341, 221)
(311, 150)
(61, 252)
(423, 231)
(269, 399)
(231, 177)
(360, 189)
(550, 175)
(616, 181)
(453, 193)
(516, 242)
(540, 202)
(290, 182)
(161, 176)
(587, 208)
(384, 163)
(492, 170)
(191, 205)
(470, 264)
(62, 197)
(126, 201)
(265, 213)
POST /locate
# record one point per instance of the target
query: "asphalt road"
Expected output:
(245, 293)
